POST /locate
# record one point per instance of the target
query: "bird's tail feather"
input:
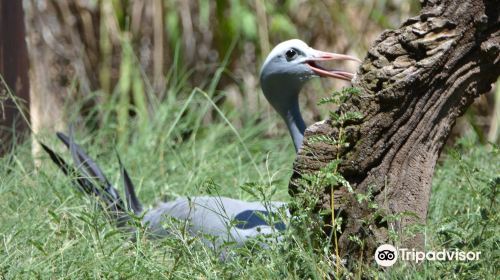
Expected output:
(90, 179)
(133, 203)
(82, 183)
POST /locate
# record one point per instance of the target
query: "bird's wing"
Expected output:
(92, 171)
(82, 160)
(89, 178)
(82, 183)
(131, 199)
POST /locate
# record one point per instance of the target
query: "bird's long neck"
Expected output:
(295, 124)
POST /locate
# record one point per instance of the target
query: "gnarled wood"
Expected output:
(415, 82)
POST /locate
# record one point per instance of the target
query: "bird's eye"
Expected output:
(291, 54)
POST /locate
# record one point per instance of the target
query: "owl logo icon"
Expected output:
(386, 255)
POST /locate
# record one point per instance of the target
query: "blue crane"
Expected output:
(287, 68)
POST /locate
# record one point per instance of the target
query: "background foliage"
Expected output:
(141, 53)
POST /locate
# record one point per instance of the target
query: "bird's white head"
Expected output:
(286, 69)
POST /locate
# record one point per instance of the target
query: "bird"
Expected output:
(286, 69)
(227, 220)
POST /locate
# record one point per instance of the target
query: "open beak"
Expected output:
(326, 56)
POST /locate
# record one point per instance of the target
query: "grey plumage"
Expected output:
(217, 217)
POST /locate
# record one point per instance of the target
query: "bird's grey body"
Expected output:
(219, 217)
(287, 68)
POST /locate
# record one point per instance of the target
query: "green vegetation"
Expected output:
(49, 230)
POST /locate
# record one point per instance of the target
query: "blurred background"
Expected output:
(113, 63)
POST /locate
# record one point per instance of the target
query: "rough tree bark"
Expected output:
(415, 82)
(14, 70)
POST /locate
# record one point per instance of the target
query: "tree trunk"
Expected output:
(62, 52)
(14, 70)
(414, 82)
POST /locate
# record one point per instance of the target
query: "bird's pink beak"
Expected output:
(326, 56)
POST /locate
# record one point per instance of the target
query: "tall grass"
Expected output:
(49, 230)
